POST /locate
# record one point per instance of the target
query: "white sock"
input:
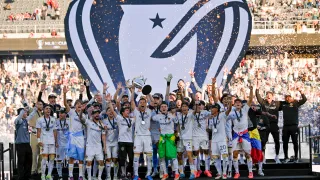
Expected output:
(207, 163)
(181, 169)
(50, 167)
(70, 170)
(89, 172)
(195, 162)
(249, 163)
(218, 165)
(198, 163)
(260, 166)
(236, 165)
(135, 165)
(101, 171)
(225, 165)
(201, 156)
(81, 170)
(163, 165)
(149, 165)
(192, 168)
(115, 169)
(123, 171)
(43, 167)
(230, 163)
(59, 168)
(185, 161)
(108, 169)
(175, 165)
(95, 168)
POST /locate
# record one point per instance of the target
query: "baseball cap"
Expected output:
(96, 111)
(62, 110)
(157, 95)
(172, 93)
(202, 102)
(125, 95)
(52, 96)
(95, 104)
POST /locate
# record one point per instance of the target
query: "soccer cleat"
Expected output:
(286, 160)
(207, 173)
(149, 177)
(49, 177)
(224, 176)
(198, 173)
(165, 176)
(135, 177)
(250, 175)
(236, 176)
(43, 177)
(277, 160)
(182, 175)
(260, 172)
(218, 176)
(176, 177)
(192, 176)
(229, 174)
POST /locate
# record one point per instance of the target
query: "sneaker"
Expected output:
(260, 172)
(136, 178)
(218, 176)
(165, 176)
(296, 160)
(49, 177)
(277, 160)
(229, 174)
(250, 175)
(149, 177)
(155, 173)
(43, 177)
(286, 160)
(207, 173)
(176, 177)
(182, 175)
(198, 173)
(192, 176)
(236, 176)
(224, 176)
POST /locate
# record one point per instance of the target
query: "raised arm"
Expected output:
(132, 101)
(250, 96)
(65, 90)
(213, 90)
(193, 80)
(42, 88)
(119, 86)
(87, 83)
(303, 100)
(112, 110)
(32, 114)
(18, 119)
(168, 79)
(259, 98)
(82, 87)
(229, 108)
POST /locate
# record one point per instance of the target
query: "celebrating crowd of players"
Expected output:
(208, 125)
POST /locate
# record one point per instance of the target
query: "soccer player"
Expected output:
(167, 147)
(200, 137)
(219, 142)
(76, 133)
(62, 126)
(47, 139)
(94, 147)
(241, 139)
(185, 121)
(142, 140)
(111, 126)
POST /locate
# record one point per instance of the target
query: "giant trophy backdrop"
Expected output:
(115, 40)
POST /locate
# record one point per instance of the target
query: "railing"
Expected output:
(27, 28)
(315, 148)
(12, 160)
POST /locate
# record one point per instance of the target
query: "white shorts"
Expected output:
(219, 148)
(155, 138)
(184, 145)
(142, 144)
(245, 145)
(198, 142)
(48, 149)
(112, 151)
(94, 152)
(61, 153)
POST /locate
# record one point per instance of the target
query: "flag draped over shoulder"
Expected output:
(167, 147)
(256, 150)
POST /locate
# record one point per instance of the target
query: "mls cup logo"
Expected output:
(115, 40)
(40, 43)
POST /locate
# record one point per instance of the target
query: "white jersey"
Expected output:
(240, 119)
(218, 124)
(94, 133)
(62, 127)
(202, 119)
(228, 123)
(142, 122)
(166, 122)
(125, 126)
(112, 131)
(47, 125)
(155, 126)
(75, 123)
(186, 122)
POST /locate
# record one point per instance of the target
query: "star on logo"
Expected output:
(157, 21)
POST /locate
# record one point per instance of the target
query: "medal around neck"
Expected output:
(143, 122)
(128, 129)
(182, 127)
(199, 125)
(215, 130)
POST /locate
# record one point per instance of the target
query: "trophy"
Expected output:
(40, 43)
(139, 82)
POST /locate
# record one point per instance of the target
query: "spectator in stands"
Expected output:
(57, 16)
(44, 12)
(37, 13)
(7, 7)
(304, 28)
(11, 17)
(31, 35)
(54, 33)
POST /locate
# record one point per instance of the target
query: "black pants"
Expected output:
(24, 154)
(264, 139)
(292, 131)
(274, 130)
(126, 149)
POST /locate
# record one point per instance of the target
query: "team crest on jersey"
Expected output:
(122, 148)
(111, 41)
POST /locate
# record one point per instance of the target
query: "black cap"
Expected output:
(96, 111)
(62, 110)
(52, 96)
(125, 95)
(157, 95)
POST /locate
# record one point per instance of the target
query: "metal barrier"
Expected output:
(315, 149)
(12, 160)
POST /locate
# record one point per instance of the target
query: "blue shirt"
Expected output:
(22, 131)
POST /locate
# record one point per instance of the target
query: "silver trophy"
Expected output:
(139, 82)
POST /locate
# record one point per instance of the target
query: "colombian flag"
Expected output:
(256, 149)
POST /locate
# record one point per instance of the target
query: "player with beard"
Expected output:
(76, 136)
(200, 137)
(142, 140)
(219, 142)
(167, 147)
(272, 107)
(241, 139)
(47, 139)
(185, 121)
(110, 124)
(62, 126)
(223, 103)
(94, 147)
